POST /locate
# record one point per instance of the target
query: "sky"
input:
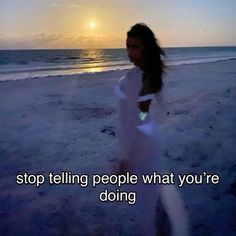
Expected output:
(46, 24)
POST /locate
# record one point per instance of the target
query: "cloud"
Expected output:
(56, 5)
(67, 4)
(74, 5)
(28, 41)
(43, 40)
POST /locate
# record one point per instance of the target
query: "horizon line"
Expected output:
(204, 46)
(110, 48)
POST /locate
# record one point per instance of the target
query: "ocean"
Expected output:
(20, 64)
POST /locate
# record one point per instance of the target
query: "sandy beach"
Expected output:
(69, 123)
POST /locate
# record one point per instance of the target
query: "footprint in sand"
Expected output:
(218, 145)
(181, 112)
(227, 93)
(232, 189)
(180, 130)
(108, 130)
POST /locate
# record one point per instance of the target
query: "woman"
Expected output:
(139, 139)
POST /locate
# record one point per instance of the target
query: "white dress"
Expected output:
(139, 146)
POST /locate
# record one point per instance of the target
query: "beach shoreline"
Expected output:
(20, 64)
(69, 123)
(112, 71)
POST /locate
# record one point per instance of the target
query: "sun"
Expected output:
(92, 24)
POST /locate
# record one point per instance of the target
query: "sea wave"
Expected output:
(199, 61)
(39, 63)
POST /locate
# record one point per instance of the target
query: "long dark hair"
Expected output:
(153, 66)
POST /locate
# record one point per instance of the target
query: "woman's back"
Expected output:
(139, 149)
(139, 138)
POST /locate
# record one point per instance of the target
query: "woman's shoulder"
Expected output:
(129, 73)
(134, 70)
(132, 75)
